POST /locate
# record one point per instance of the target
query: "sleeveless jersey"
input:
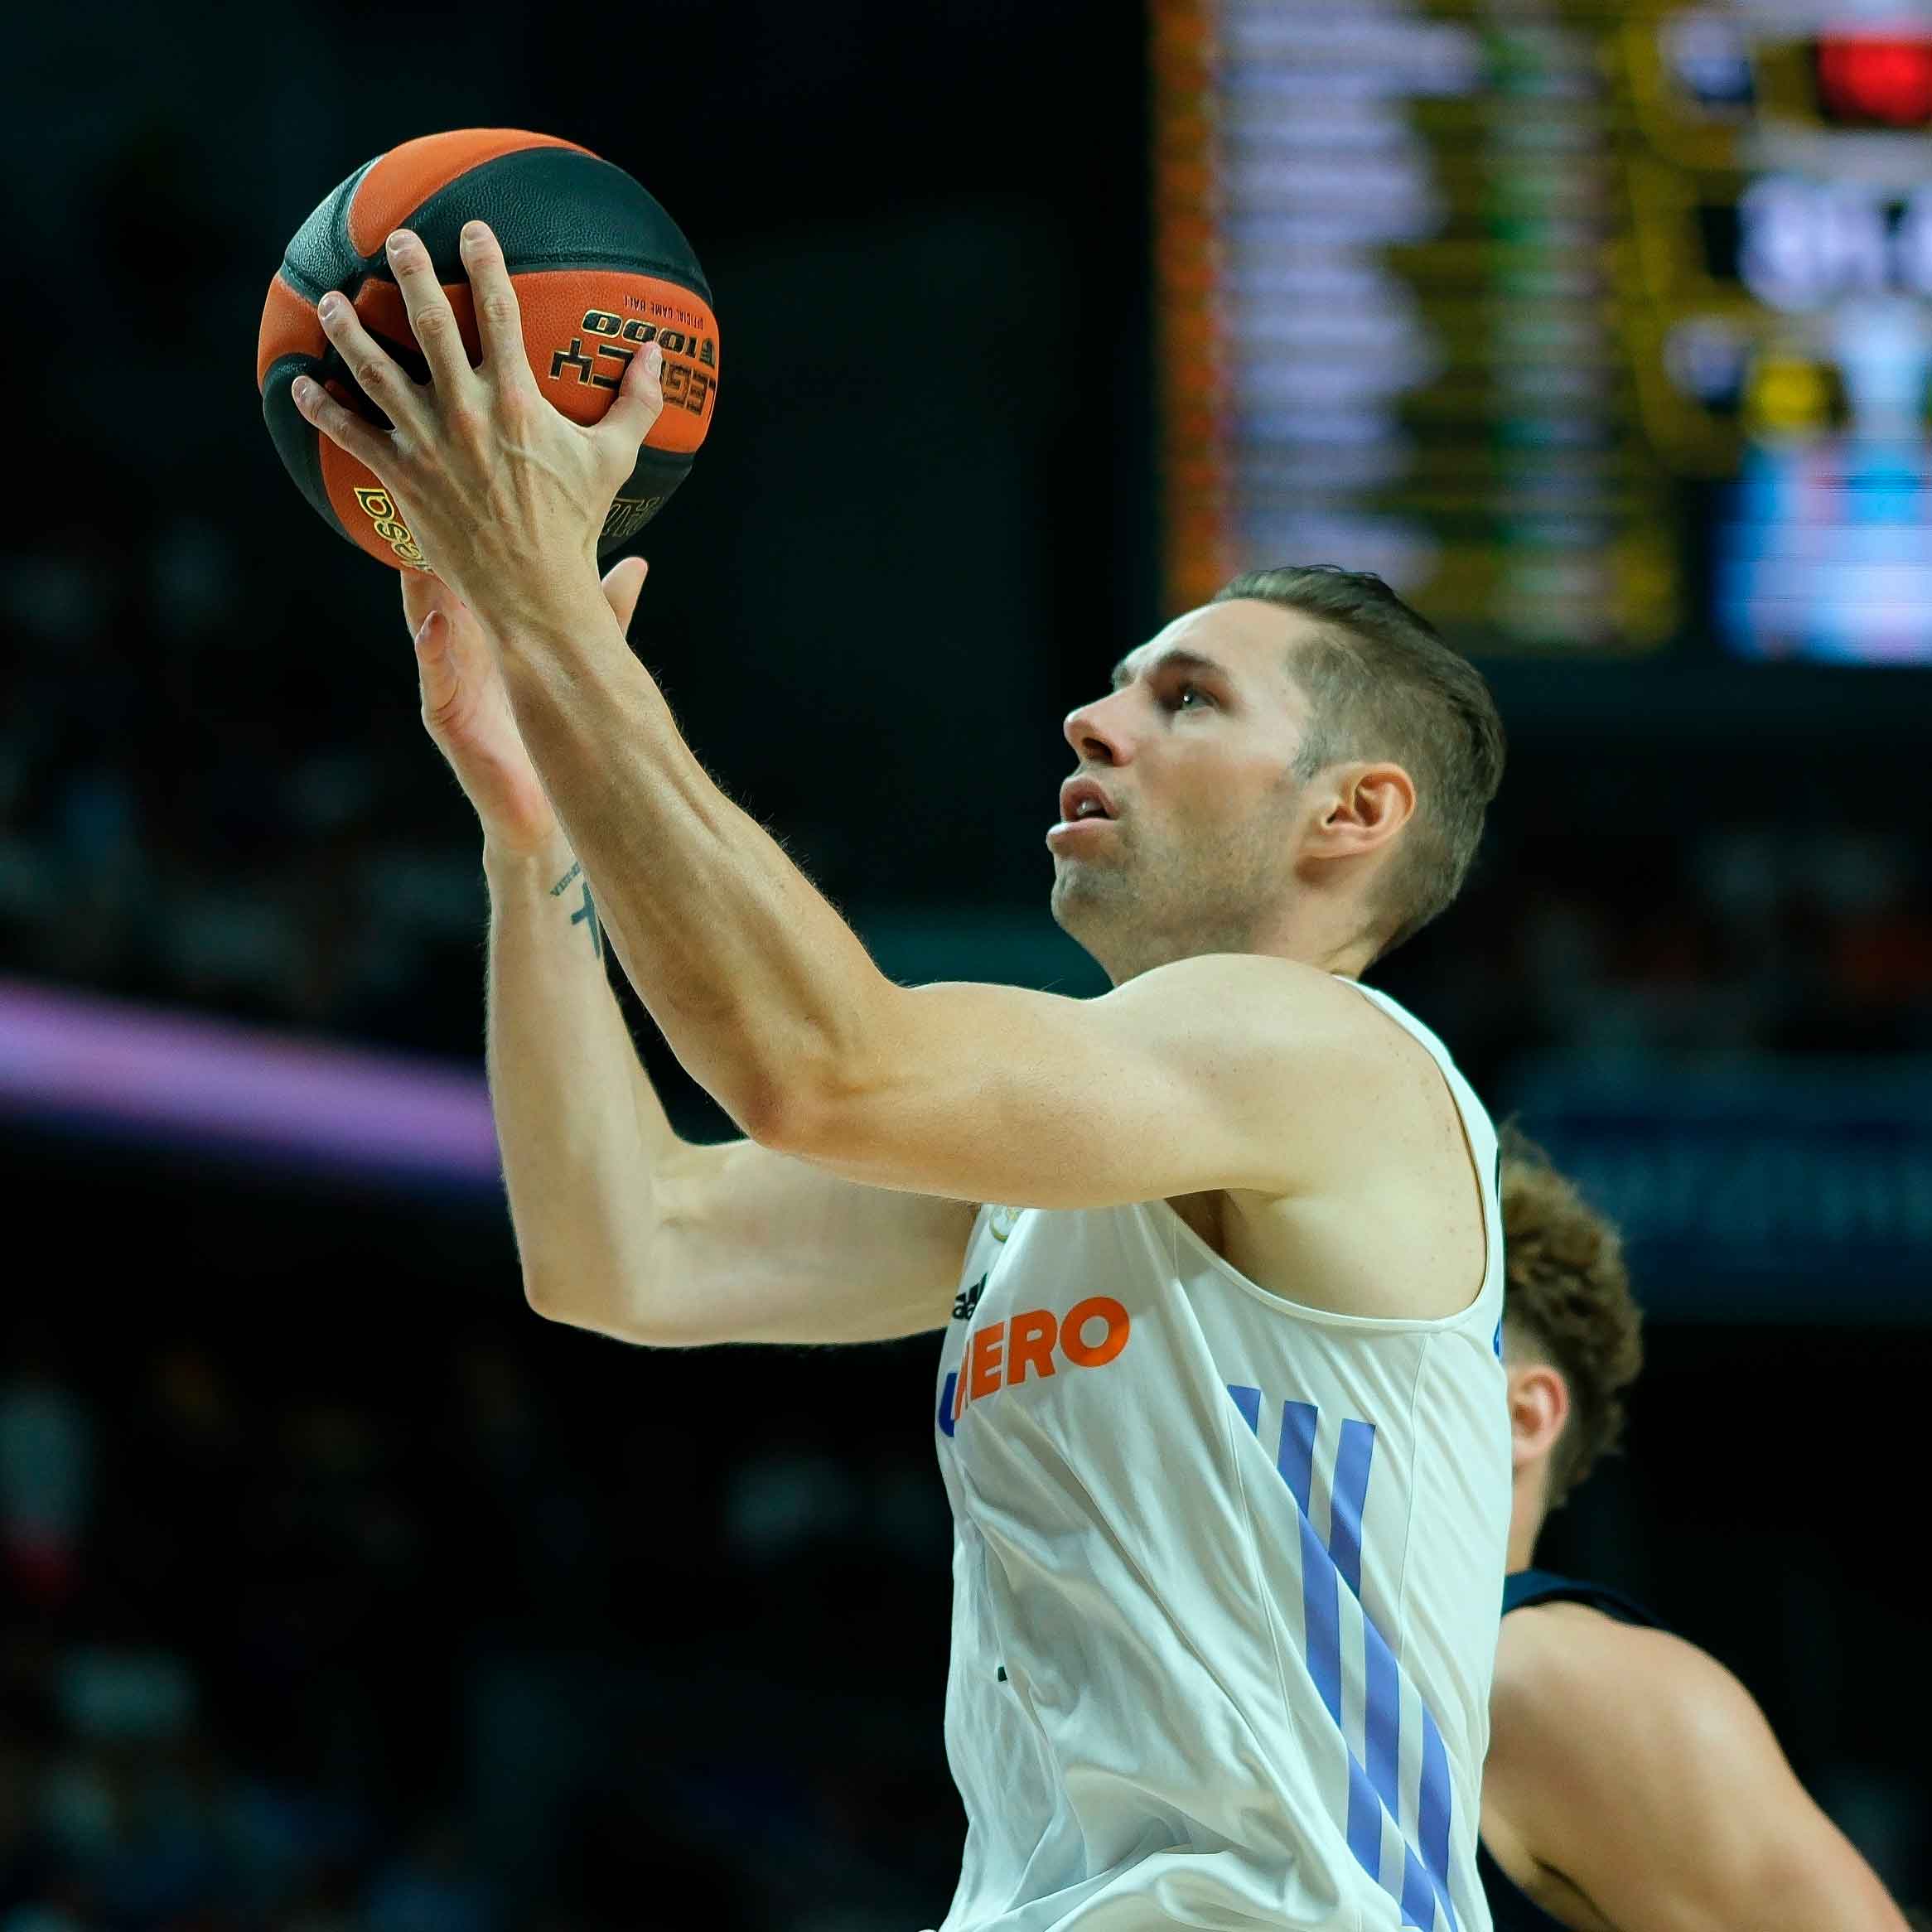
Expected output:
(1512, 1909)
(1225, 1571)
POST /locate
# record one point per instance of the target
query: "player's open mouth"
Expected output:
(1085, 812)
(1082, 798)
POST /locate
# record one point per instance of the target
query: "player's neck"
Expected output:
(1348, 959)
(1316, 930)
(1527, 1510)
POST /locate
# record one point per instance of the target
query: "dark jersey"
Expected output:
(1511, 1909)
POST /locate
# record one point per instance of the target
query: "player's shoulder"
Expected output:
(1268, 998)
(1573, 1683)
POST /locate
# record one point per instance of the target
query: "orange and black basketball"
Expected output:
(600, 270)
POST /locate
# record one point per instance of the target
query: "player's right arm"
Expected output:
(622, 1226)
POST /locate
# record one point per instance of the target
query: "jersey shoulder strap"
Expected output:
(1521, 1588)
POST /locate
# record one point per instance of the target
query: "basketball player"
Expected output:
(1220, 1399)
(1632, 1782)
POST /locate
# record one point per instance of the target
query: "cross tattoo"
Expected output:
(587, 914)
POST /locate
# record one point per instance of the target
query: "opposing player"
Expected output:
(1220, 1402)
(1632, 1782)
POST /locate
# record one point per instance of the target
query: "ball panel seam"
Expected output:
(295, 442)
(397, 184)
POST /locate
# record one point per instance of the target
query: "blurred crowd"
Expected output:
(1768, 938)
(187, 815)
(291, 1661)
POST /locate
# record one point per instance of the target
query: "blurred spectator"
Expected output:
(47, 1471)
(430, 1888)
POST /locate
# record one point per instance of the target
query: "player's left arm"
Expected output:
(1641, 1770)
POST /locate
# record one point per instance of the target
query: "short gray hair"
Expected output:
(1383, 684)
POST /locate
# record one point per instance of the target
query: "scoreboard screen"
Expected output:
(1594, 328)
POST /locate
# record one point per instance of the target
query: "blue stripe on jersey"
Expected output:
(1296, 1459)
(1322, 1618)
(1432, 1806)
(1345, 1505)
(1382, 1734)
(1419, 1894)
(1384, 1701)
(1374, 1789)
(946, 1400)
(1366, 1825)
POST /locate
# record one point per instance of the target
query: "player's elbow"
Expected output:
(569, 1295)
(821, 1090)
(803, 1109)
(645, 1319)
(553, 1299)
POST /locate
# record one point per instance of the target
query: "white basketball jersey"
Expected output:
(1227, 1574)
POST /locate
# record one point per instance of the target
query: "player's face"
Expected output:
(1177, 831)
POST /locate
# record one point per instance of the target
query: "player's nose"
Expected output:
(1099, 731)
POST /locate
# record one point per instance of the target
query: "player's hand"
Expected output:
(467, 710)
(506, 495)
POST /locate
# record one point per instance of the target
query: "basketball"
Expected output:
(600, 270)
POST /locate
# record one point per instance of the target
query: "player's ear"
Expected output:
(1539, 1406)
(1368, 805)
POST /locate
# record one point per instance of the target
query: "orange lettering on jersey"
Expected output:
(1030, 1340)
(1027, 1342)
(1073, 1342)
(984, 1353)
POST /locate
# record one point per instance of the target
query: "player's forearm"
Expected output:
(578, 1127)
(761, 989)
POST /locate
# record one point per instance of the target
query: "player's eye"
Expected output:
(1194, 692)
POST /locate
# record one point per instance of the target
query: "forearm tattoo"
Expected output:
(586, 914)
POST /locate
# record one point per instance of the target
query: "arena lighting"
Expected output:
(109, 1067)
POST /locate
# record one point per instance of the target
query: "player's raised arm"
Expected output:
(1192, 1080)
(622, 1226)
(1224, 1071)
(1671, 1812)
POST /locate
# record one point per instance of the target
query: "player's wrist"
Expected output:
(543, 861)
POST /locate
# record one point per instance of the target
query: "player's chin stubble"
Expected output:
(1133, 917)
(1128, 916)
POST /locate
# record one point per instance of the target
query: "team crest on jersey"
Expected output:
(999, 1221)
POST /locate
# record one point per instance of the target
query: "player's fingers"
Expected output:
(432, 319)
(500, 323)
(623, 582)
(451, 671)
(373, 367)
(638, 403)
(369, 445)
(437, 670)
(421, 593)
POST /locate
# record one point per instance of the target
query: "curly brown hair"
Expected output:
(1567, 1295)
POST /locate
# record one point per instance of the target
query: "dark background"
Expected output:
(341, 1592)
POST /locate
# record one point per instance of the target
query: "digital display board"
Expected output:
(1593, 328)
